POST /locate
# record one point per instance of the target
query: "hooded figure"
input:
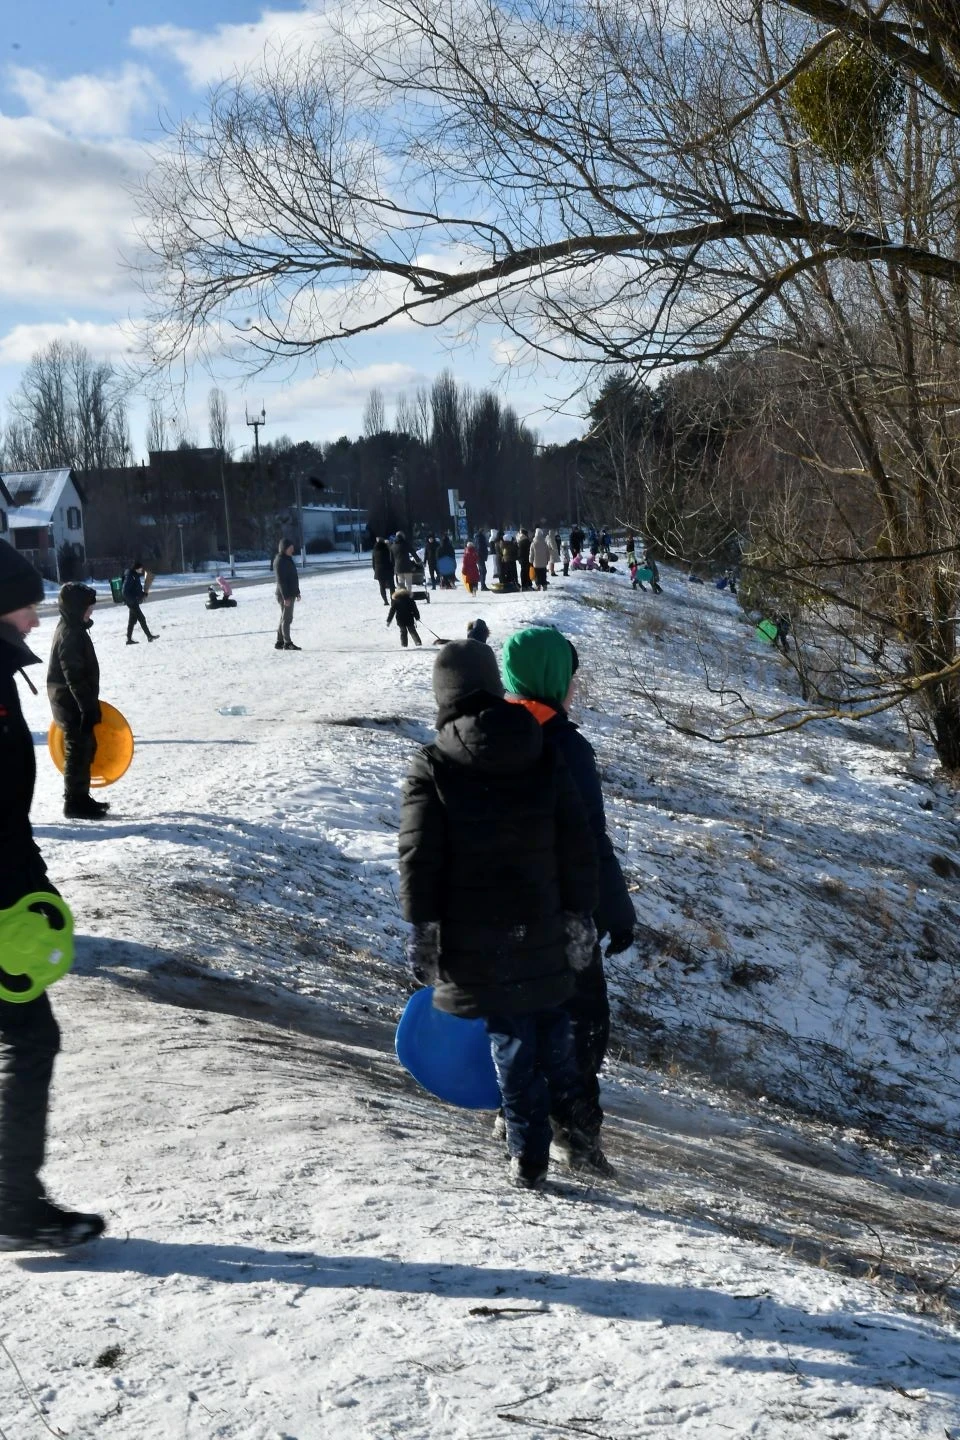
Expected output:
(540, 557)
(73, 688)
(133, 591)
(496, 860)
(539, 664)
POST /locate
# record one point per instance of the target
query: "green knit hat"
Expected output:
(539, 663)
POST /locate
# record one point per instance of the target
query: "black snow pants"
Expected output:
(135, 616)
(406, 630)
(589, 1011)
(29, 1043)
(79, 749)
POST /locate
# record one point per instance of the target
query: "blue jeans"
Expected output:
(536, 1065)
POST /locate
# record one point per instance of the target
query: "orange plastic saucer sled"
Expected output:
(114, 746)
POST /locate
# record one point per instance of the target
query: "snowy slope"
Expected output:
(302, 1245)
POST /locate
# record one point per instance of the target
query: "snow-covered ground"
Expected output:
(303, 1245)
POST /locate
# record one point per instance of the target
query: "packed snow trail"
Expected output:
(298, 1237)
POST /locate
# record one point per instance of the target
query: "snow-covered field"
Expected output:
(303, 1245)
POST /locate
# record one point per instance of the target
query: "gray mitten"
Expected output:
(581, 938)
(423, 951)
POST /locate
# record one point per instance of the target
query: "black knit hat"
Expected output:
(20, 584)
(464, 668)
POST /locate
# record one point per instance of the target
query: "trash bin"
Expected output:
(116, 590)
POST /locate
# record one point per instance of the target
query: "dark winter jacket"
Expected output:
(73, 674)
(382, 561)
(288, 579)
(615, 914)
(430, 550)
(509, 552)
(404, 609)
(132, 589)
(446, 548)
(481, 546)
(523, 551)
(405, 560)
(21, 864)
(495, 845)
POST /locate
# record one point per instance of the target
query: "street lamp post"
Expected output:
(183, 563)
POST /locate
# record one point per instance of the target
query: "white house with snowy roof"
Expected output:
(45, 518)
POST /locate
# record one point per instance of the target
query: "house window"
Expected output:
(73, 518)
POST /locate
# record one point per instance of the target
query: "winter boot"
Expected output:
(152, 637)
(278, 645)
(131, 642)
(48, 1227)
(526, 1176)
(289, 645)
(84, 807)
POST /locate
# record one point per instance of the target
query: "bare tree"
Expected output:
(374, 414)
(609, 184)
(156, 428)
(68, 410)
(220, 437)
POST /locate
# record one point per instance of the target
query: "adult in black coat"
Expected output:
(73, 688)
(482, 547)
(576, 540)
(288, 593)
(538, 667)
(430, 558)
(133, 591)
(382, 561)
(29, 1035)
(498, 873)
(406, 561)
(523, 559)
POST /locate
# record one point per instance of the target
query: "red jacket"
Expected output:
(470, 569)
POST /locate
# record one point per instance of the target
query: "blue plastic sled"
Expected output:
(446, 566)
(448, 1056)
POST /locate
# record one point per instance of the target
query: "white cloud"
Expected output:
(87, 104)
(207, 57)
(340, 390)
(114, 342)
(68, 213)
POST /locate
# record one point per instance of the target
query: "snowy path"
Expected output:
(304, 1246)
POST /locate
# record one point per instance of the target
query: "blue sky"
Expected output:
(82, 86)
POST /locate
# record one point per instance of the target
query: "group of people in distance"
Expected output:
(509, 880)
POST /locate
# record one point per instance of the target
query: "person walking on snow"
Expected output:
(73, 688)
(405, 561)
(470, 568)
(288, 593)
(404, 611)
(482, 547)
(553, 540)
(29, 1034)
(523, 559)
(539, 666)
(430, 558)
(498, 877)
(133, 592)
(382, 562)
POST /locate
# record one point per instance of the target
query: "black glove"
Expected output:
(423, 952)
(581, 938)
(619, 942)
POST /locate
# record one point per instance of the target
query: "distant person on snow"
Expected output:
(73, 688)
(29, 1034)
(540, 557)
(404, 611)
(430, 559)
(498, 877)
(288, 593)
(133, 592)
(470, 568)
(539, 666)
(382, 561)
(406, 562)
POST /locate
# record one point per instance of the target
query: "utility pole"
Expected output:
(255, 421)
(226, 509)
